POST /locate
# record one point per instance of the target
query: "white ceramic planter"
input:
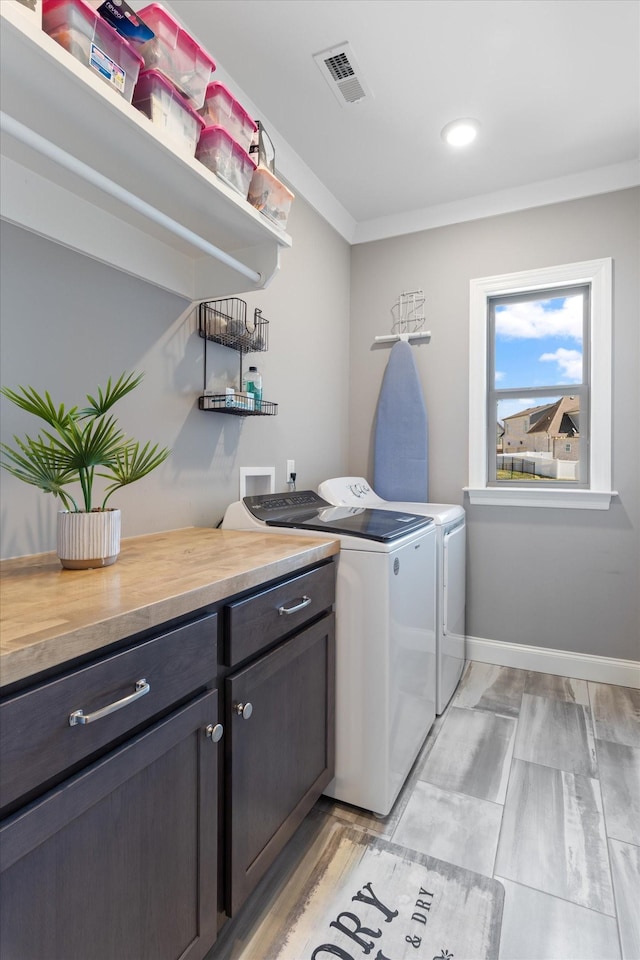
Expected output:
(87, 540)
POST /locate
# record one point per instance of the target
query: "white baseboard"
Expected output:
(563, 663)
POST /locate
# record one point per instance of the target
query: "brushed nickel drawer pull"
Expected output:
(78, 716)
(299, 606)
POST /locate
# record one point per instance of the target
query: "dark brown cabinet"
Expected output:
(279, 751)
(124, 808)
(120, 861)
(116, 860)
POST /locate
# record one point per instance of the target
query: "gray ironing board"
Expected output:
(400, 469)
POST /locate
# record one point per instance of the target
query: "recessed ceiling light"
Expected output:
(460, 132)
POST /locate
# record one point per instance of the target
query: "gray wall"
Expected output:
(557, 578)
(68, 323)
(562, 579)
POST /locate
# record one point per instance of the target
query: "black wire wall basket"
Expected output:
(225, 322)
(237, 405)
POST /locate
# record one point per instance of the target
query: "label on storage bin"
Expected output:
(120, 16)
(107, 68)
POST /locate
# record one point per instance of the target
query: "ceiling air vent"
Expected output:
(339, 68)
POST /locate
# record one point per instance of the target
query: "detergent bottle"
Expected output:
(252, 383)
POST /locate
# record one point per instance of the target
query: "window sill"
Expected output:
(547, 497)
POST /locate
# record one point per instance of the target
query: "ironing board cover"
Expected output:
(400, 469)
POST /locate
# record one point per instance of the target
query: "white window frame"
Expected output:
(597, 273)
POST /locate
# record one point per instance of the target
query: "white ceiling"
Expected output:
(555, 85)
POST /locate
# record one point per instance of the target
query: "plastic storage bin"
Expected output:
(269, 196)
(220, 153)
(176, 54)
(90, 39)
(160, 101)
(222, 109)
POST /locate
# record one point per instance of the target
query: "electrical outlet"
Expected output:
(291, 468)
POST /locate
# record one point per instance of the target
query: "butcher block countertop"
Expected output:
(50, 615)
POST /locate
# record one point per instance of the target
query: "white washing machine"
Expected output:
(385, 634)
(451, 572)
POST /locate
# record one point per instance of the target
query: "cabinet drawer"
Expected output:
(37, 742)
(263, 618)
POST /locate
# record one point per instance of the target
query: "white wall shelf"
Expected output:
(183, 209)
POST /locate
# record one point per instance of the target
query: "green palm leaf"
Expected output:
(31, 401)
(125, 383)
(132, 464)
(94, 443)
(33, 464)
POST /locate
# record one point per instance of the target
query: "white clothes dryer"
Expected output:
(385, 634)
(450, 520)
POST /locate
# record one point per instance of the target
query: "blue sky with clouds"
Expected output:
(538, 343)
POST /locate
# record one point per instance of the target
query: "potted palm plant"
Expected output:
(78, 446)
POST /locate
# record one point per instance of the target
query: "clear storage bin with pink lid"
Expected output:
(268, 195)
(222, 109)
(176, 120)
(175, 53)
(226, 158)
(91, 40)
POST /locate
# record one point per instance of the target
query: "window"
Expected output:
(537, 385)
(540, 387)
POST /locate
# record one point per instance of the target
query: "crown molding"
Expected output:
(618, 176)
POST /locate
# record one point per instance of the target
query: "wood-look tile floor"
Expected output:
(528, 778)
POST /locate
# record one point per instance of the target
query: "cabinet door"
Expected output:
(119, 862)
(281, 757)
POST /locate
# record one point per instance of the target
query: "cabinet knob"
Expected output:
(243, 710)
(214, 732)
